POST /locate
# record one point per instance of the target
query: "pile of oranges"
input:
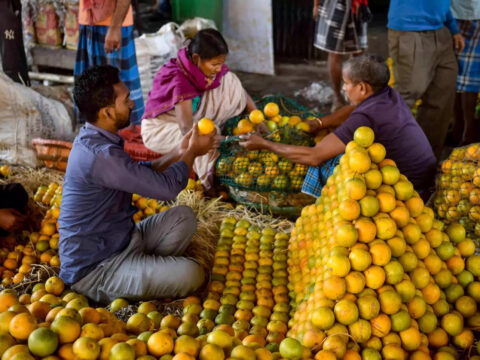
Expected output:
(243, 316)
(458, 189)
(372, 273)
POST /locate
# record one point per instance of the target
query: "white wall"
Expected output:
(248, 29)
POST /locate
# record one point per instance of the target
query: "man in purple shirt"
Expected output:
(373, 104)
(103, 253)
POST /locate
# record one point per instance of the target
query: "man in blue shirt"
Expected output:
(422, 39)
(103, 253)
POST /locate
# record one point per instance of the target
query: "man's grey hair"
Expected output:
(370, 69)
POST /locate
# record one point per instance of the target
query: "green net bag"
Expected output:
(265, 171)
(457, 196)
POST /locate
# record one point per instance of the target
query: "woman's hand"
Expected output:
(252, 142)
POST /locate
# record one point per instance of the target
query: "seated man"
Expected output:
(103, 253)
(13, 203)
(376, 105)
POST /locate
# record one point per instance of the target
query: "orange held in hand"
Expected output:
(205, 126)
(256, 116)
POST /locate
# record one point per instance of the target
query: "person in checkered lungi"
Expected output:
(467, 13)
(106, 38)
(341, 29)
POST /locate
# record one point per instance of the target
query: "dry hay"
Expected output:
(32, 178)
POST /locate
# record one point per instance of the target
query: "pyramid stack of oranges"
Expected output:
(372, 273)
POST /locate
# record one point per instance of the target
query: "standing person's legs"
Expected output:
(151, 266)
(335, 71)
(413, 61)
(436, 111)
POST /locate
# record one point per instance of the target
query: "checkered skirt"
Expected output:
(468, 79)
(91, 52)
(336, 28)
(317, 176)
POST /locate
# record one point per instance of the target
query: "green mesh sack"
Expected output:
(288, 107)
(264, 171)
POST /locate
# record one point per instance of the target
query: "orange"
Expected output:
(271, 110)
(390, 174)
(377, 152)
(334, 287)
(452, 323)
(415, 206)
(313, 338)
(138, 323)
(381, 325)
(89, 315)
(256, 116)
(13, 350)
(86, 348)
(368, 307)
(438, 338)
(22, 325)
(356, 188)
(160, 343)
(390, 302)
(205, 126)
(364, 136)
(211, 352)
(121, 351)
(381, 254)
(387, 202)
(346, 312)
(355, 282)
(465, 339)
(400, 215)
(360, 259)
(323, 318)
(187, 344)
(366, 230)
(359, 161)
(7, 300)
(92, 331)
(349, 209)
(54, 285)
(369, 206)
(431, 293)
(42, 342)
(67, 328)
(374, 277)
(373, 179)
(411, 338)
(39, 309)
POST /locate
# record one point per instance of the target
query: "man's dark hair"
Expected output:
(368, 68)
(94, 90)
(208, 43)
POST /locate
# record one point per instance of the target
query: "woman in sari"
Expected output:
(195, 85)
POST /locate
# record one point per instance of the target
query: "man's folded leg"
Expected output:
(144, 270)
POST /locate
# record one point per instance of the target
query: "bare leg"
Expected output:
(335, 69)
(468, 101)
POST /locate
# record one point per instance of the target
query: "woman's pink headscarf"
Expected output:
(178, 80)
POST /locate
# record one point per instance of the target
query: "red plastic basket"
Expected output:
(53, 153)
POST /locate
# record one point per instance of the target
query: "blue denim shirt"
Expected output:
(96, 212)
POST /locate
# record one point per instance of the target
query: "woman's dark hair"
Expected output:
(208, 43)
(368, 68)
(94, 90)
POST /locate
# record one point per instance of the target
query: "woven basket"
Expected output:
(139, 152)
(53, 153)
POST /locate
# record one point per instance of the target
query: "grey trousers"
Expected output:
(151, 266)
(425, 67)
